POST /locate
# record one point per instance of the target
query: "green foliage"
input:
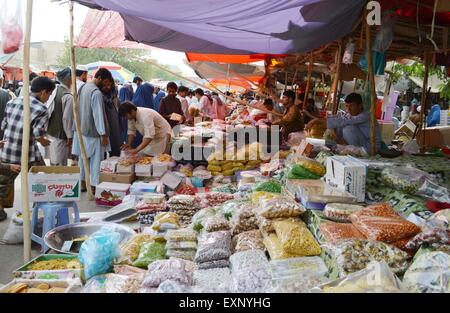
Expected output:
(417, 69)
(128, 61)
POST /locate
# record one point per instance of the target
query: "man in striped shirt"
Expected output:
(12, 125)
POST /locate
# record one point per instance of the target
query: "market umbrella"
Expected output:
(118, 72)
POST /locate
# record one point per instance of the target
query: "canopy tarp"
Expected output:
(229, 58)
(433, 82)
(118, 72)
(231, 26)
(210, 70)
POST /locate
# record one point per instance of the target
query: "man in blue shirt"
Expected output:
(159, 95)
(353, 127)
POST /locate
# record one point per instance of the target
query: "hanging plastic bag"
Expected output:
(385, 36)
(98, 252)
(11, 26)
(349, 52)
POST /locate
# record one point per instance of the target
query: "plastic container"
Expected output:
(197, 182)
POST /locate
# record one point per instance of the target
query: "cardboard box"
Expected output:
(171, 180)
(143, 170)
(125, 169)
(141, 188)
(111, 194)
(305, 148)
(117, 178)
(54, 184)
(348, 174)
(387, 131)
(407, 129)
(159, 169)
(109, 165)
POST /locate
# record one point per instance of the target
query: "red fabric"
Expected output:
(408, 10)
(435, 206)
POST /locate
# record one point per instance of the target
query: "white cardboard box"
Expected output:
(347, 174)
(111, 194)
(122, 169)
(143, 170)
(171, 180)
(54, 184)
(109, 165)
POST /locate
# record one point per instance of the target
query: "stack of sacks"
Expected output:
(214, 250)
(232, 161)
(184, 206)
(181, 243)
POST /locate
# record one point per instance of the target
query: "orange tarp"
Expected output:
(229, 58)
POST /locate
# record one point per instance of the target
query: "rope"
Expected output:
(430, 38)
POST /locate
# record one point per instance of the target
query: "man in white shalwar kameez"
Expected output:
(154, 128)
(60, 125)
(93, 125)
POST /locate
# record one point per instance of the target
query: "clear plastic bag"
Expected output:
(309, 164)
(441, 219)
(116, 283)
(211, 199)
(298, 283)
(433, 191)
(166, 221)
(340, 212)
(295, 238)
(376, 278)
(174, 269)
(240, 261)
(275, 249)
(215, 223)
(200, 216)
(213, 264)
(385, 35)
(335, 232)
(11, 26)
(272, 186)
(298, 266)
(213, 246)
(185, 254)
(278, 207)
(431, 236)
(430, 273)
(407, 179)
(243, 219)
(173, 286)
(182, 234)
(95, 284)
(98, 252)
(354, 255)
(181, 245)
(129, 251)
(150, 252)
(252, 280)
(383, 225)
(258, 196)
(249, 240)
(213, 280)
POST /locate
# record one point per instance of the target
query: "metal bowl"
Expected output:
(56, 237)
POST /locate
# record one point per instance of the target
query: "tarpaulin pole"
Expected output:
(26, 135)
(76, 117)
(308, 82)
(334, 90)
(423, 100)
(373, 118)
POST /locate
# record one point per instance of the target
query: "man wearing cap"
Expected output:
(5, 97)
(60, 123)
(81, 72)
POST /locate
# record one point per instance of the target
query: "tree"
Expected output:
(128, 61)
(417, 69)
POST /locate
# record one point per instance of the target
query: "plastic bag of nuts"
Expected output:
(295, 237)
(243, 219)
(173, 269)
(279, 207)
(340, 212)
(335, 232)
(213, 246)
(249, 240)
(383, 225)
(216, 223)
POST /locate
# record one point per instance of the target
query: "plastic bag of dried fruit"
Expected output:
(11, 28)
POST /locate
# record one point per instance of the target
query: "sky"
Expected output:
(51, 22)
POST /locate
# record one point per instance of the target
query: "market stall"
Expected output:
(249, 219)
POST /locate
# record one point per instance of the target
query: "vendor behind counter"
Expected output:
(292, 120)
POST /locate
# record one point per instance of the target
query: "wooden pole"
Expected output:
(334, 88)
(286, 79)
(26, 135)
(423, 100)
(76, 117)
(373, 118)
(308, 82)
